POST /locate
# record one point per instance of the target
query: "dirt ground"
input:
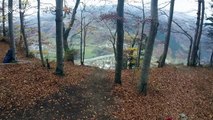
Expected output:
(29, 91)
(86, 100)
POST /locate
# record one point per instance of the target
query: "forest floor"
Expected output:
(29, 91)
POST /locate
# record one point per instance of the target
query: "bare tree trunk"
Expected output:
(59, 37)
(187, 35)
(134, 38)
(198, 33)
(22, 30)
(120, 40)
(84, 42)
(67, 30)
(193, 51)
(81, 41)
(149, 47)
(4, 18)
(39, 35)
(140, 44)
(166, 45)
(11, 28)
(142, 36)
(114, 50)
(190, 49)
(211, 59)
(199, 56)
(113, 39)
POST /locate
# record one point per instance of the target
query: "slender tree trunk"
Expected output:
(199, 56)
(11, 28)
(81, 41)
(59, 37)
(65, 42)
(4, 17)
(211, 59)
(166, 45)
(140, 44)
(134, 39)
(39, 35)
(22, 30)
(193, 54)
(188, 36)
(113, 40)
(84, 42)
(114, 49)
(67, 30)
(120, 40)
(149, 47)
(139, 53)
(190, 49)
(142, 36)
(198, 33)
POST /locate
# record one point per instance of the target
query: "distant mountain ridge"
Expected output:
(178, 46)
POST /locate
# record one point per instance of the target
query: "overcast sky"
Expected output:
(180, 5)
(185, 6)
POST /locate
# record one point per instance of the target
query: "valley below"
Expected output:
(98, 37)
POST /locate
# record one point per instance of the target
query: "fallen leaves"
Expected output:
(171, 91)
(31, 91)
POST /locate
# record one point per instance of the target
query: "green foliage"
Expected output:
(132, 56)
(100, 51)
(70, 54)
(89, 53)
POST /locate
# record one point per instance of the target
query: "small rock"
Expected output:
(182, 116)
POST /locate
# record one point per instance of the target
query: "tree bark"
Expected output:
(59, 37)
(166, 45)
(39, 35)
(198, 33)
(119, 42)
(140, 45)
(149, 47)
(67, 30)
(11, 28)
(22, 30)
(81, 41)
(113, 40)
(193, 54)
(187, 35)
(4, 18)
(142, 36)
(84, 42)
(197, 60)
(190, 49)
(211, 60)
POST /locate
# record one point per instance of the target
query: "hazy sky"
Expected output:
(180, 5)
(185, 6)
